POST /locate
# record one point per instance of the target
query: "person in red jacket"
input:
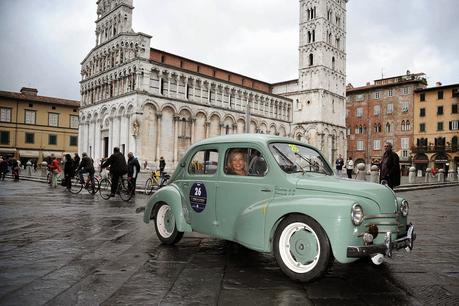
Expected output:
(55, 169)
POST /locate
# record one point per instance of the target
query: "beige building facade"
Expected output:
(436, 127)
(33, 127)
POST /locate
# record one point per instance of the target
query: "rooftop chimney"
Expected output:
(29, 91)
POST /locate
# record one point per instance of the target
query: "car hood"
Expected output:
(380, 194)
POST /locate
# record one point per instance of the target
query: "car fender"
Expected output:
(267, 215)
(170, 195)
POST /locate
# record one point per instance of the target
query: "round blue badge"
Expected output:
(198, 197)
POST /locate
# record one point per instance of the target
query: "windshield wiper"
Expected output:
(292, 163)
(312, 164)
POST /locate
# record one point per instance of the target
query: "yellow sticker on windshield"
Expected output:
(294, 148)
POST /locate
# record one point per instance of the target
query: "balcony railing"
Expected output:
(435, 149)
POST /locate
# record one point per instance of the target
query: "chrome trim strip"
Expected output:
(391, 215)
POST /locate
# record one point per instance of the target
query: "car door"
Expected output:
(198, 188)
(237, 192)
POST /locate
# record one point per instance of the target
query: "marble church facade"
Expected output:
(154, 103)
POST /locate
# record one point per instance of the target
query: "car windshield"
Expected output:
(296, 158)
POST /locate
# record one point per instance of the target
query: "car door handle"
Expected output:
(266, 190)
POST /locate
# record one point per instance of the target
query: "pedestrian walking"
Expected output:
(15, 170)
(133, 171)
(162, 164)
(55, 169)
(118, 168)
(349, 167)
(390, 167)
(339, 163)
(69, 171)
(3, 167)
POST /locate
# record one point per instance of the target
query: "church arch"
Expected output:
(214, 125)
(166, 144)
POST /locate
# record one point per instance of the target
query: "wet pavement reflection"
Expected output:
(57, 248)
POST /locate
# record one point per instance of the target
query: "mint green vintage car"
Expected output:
(275, 194)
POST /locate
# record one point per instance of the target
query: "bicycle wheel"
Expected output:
(93, 189)
(149, 186)
(75, 186)
(124, 189)
(105, 188)
(96, 185)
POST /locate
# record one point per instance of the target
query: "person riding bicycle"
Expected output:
(86, 166)
(118, 168)
(133, 171)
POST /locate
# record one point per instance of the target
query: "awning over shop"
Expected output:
(420, 161)
(28, 153)
(441, 158)
(7, 150)
(48, 153)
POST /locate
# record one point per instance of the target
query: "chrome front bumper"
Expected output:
(387, 247)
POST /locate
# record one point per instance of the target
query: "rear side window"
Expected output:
(204, 162)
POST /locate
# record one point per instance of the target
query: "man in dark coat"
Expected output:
(3, 168)
(118, 168)
(390, 167)
(133, 171)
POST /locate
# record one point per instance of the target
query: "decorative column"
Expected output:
(158, 134)
(222, 129)
(97, 140)
(176, 127)
(80, 138)
(193, 124)
(207, 127)
(110, 136)
(87, 133)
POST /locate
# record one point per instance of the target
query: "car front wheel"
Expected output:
(301, 248)
(165, 226)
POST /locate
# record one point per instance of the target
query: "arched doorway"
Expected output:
(420, 162)
(441, 161)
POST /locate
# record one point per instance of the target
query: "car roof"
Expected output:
(252, 138)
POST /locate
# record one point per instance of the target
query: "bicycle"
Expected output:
(123, 189)
(153, 184)
(76, 186)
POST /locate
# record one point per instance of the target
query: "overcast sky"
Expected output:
(42, 42)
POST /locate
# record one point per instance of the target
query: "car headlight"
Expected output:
(404, 208)
(357, 214)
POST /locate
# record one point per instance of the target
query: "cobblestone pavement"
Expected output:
(63, 249)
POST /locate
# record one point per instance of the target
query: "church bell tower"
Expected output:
(322, 74)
